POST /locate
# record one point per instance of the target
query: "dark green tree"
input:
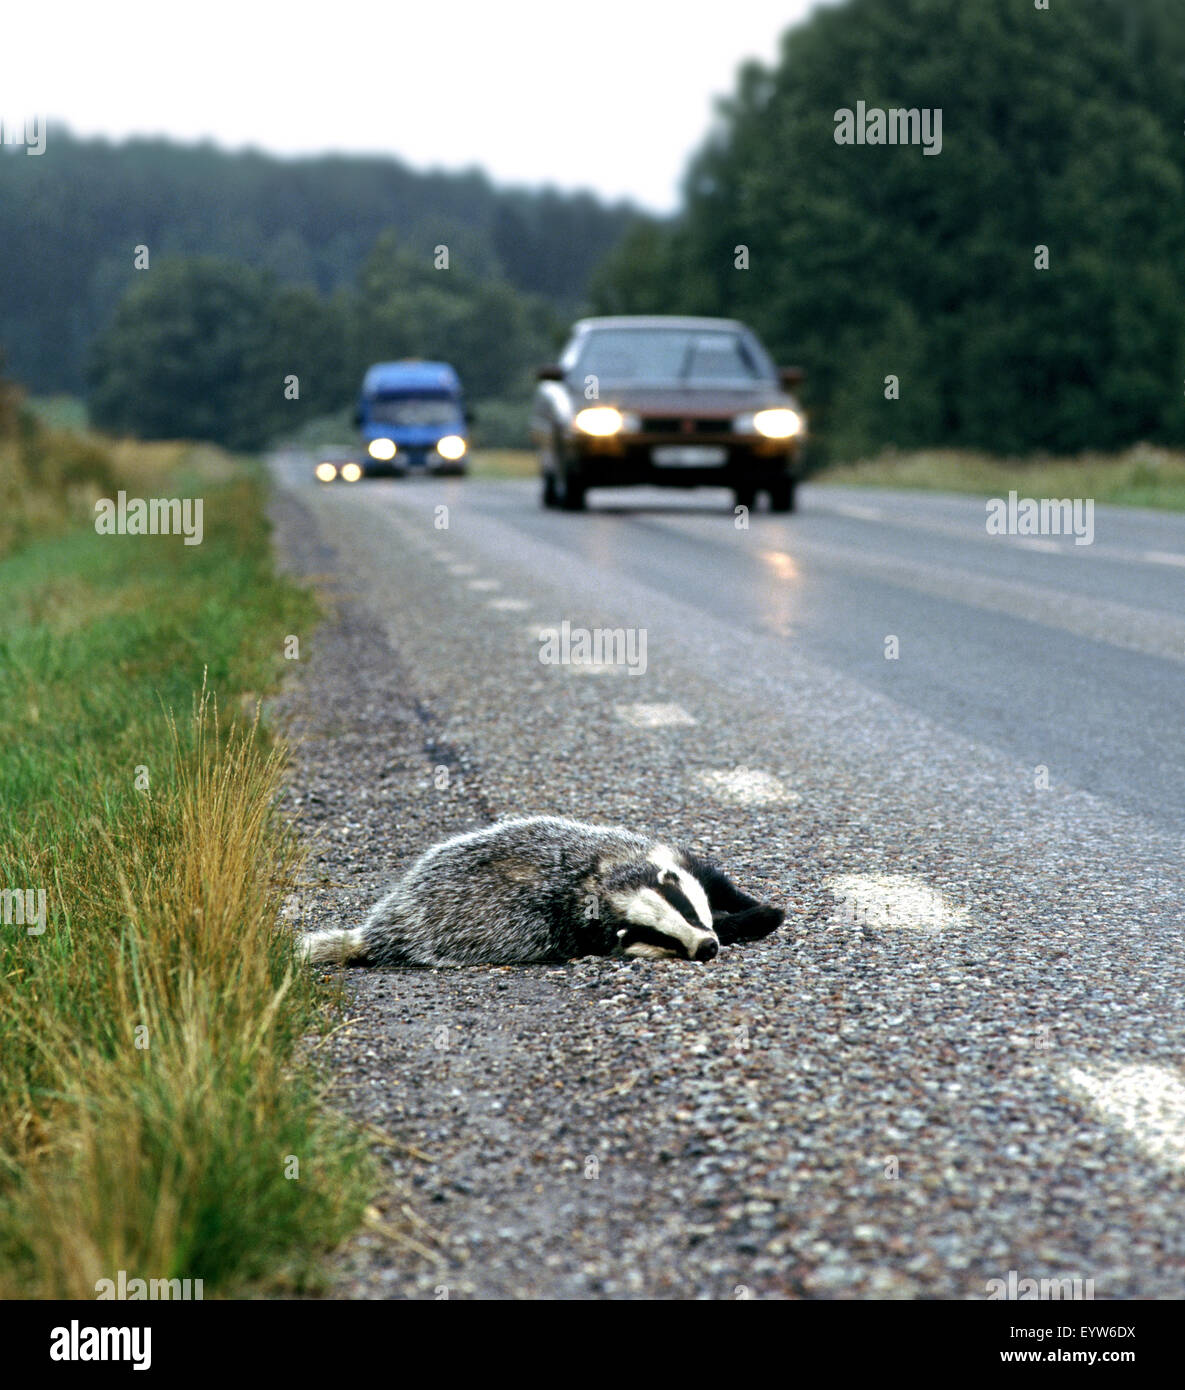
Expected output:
(1061, 128)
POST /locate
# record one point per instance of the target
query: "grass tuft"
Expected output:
(158, 1111)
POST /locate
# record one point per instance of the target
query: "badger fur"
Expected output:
(547, 889)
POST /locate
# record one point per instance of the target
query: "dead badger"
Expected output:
(547, 889)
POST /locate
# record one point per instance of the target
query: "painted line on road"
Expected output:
(653, 716)
(1147, 1101)
(892, 901)
(483, 585)
(862, 513)
(746, 786)
(966, 531)
(509, 605)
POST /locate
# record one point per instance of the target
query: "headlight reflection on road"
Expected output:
(778, 598)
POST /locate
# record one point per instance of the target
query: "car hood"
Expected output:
(690, 400)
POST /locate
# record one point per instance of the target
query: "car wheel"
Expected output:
(572, 495)
(744, 497)
(549, 497)
(781, 496)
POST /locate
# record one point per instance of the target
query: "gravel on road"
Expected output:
(961, 1056)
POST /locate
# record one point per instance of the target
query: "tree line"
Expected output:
(71, 218)
(1019, 289)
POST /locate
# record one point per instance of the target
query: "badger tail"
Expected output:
(336, 947)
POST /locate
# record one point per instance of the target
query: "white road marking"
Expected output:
(746, 786)
(1148, 1101)
(484, 585)
(1037, 543)
(890, 901)
(653, 716)
(1163, 557)
(863, 513)
(509, 605)
(462, 569)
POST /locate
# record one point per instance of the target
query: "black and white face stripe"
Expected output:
(664, 909)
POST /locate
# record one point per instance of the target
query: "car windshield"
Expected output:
(414, 410)
(669, 356)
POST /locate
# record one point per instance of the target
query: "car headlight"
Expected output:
(599, 420)
(351, 472)
(381, 449)
(777, 423)
(326, 471)
(452, 446)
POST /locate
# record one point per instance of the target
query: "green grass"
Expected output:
(1143, 476)
(156, 1113)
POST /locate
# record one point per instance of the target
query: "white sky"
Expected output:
(610, 95)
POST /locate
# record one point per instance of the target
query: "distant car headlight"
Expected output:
(599, 420)
(351, 472)
(381, 449)
(326, 472)
(452, 446)
(778, 423)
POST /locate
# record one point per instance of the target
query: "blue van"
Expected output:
(412, 419)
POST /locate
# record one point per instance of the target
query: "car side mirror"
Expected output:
(791, 376)
(551, 372)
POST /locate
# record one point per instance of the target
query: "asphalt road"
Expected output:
(963, 1055)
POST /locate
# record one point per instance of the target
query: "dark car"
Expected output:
(669, 402)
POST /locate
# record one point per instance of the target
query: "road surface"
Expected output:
(955, 758)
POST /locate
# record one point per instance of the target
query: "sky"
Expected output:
(610, 96)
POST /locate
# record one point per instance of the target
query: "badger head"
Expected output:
(658, 910)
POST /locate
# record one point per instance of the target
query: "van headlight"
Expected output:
(381, 449)
(451, 447)
(778, 423)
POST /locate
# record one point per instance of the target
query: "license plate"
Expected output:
(688, 455)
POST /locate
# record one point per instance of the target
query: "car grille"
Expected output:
(682, 426)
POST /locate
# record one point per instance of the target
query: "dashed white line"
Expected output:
(1148, 1101)
(892, 901)
(653, 716)
(746, 786)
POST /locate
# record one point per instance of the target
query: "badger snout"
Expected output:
(707, 949)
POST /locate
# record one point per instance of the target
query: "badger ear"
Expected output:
(749, 925)
(723, 895)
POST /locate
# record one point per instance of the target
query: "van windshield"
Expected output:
(414, 410)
